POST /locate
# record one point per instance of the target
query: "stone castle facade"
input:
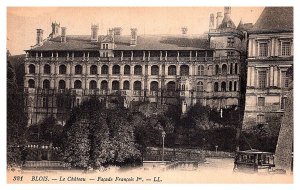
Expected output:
(63, 70)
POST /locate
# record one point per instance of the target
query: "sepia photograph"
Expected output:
(150, 95)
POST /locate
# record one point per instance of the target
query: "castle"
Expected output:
(211, 69)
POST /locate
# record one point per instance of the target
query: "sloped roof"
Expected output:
(244, 26)
(144, 42)
(227, 23)
(82, 42)
(162, 42)
(274, 19)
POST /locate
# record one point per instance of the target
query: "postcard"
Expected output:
(150, 95)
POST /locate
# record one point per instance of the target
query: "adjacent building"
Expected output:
(63, 70)
(270, 57)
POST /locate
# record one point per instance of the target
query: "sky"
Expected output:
(22, 22)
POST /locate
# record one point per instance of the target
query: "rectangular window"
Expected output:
(230, 42)
(283, 102)
(262, 79)
(286, 48)
(260, 118)
(261, 101)
(284, 80)
(263, 49)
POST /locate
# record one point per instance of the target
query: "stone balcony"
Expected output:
(148, 93)
(126, 59)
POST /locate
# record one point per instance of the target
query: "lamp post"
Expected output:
(163, 134)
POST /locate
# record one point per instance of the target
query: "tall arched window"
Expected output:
(47, 69)
(104, 70)
(31, 83)
(77, 84)
(78, 69)
(172, 70)
(116, 70)
(224, 69)
(46, 84)
(154, 70)
(154, 86)
(126, 85)
(199, 87)
(61, 84)
(93, 84)
(217, 69)
(236, 68)
(230, 85)
(104, 85)
(126, 70)
(137, 70)
(216, 87)
(62, 69)
(31, 69)
(93, 70)
(115, 85)
(171, 86)
(223, 86)
(137, 85)
(184, 70)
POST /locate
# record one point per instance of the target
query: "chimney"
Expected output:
(55, 29)
(184, 30)
(111, 33)
(63, 37)
(118, 31)
(227, 11)
(133, 41)
(219, 19)
(211, 21)
(94, 32)
(39, 36)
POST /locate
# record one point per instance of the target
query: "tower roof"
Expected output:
(227, 23)
(274, 19)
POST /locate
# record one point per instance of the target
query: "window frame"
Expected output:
(286, 53)
(262, 83)
(264, 53)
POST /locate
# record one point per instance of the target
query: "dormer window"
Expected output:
(263, 49)
(285, 48)
(104, 46)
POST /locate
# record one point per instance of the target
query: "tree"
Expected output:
(101, 151)
(16, 119)
(122, 137)
(78, 143)
(46, 132)
(96, 136)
